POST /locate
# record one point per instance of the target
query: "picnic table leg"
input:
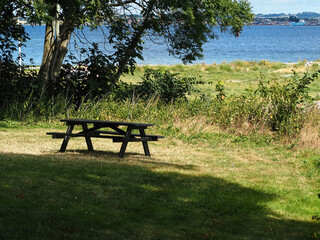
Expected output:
(66, 139)
(144, 143)
(125, 142)
(88, 139)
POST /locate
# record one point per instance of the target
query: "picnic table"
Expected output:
(97, 129)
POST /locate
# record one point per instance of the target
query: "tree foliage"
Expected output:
(10, 31)
(183, 25)
(15, 84)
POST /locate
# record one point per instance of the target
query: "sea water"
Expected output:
(272, 43)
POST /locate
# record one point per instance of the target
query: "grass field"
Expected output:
(208, 185)
(205, 180)
(237, 76)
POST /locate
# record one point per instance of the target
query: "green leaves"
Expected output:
(285, 102)
(164, 85)
(184, 25)
(187, 25)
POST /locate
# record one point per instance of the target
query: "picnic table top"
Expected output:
(104, 123)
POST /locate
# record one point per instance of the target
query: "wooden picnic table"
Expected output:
(96, 129)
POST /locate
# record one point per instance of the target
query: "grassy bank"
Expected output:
(202, 186)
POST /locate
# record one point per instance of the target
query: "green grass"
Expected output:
(202, 181)
(197, 186)
(237, 76)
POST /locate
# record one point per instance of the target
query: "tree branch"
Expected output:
(121, 3)
(134, 42)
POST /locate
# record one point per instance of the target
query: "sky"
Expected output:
(285, 6)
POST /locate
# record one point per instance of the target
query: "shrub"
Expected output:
(221, 91)
(226, 67)
(278, 106)
(93, 77)
(165, 85)
(18, 89)
(285, 102)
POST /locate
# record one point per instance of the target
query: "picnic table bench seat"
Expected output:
(117, 135)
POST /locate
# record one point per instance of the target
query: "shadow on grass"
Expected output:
(94, 153)
(51, 197)
(135, 157)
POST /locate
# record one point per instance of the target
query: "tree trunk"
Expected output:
(54, 52)
(46, 58)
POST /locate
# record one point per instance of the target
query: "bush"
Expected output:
(87, 79)
(93, 78)
(165, 86)
(285, 102)
(279, 106)
(19, 90)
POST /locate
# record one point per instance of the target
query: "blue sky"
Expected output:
(285, 6)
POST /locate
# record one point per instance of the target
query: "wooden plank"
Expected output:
(104, 123)
(97, 135)
(62, 135)
(56, 135)
(132, 134)
(142, 139)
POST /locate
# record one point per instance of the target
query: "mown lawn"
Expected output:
(203, 186)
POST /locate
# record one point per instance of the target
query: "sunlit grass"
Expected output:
(237, 76)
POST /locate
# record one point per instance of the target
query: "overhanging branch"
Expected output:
(121, 3)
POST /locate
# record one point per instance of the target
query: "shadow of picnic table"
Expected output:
(52, 197)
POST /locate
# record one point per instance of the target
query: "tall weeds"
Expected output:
(276, 108)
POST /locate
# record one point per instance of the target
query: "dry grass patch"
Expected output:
(309, 137)
(299, 68)
(194, 125)
(290, 69)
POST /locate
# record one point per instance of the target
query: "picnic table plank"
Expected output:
(112, 123)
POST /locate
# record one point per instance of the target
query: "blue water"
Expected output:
(273, 43)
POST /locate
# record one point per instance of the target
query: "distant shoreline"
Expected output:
(208, 64)
(253, 24)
